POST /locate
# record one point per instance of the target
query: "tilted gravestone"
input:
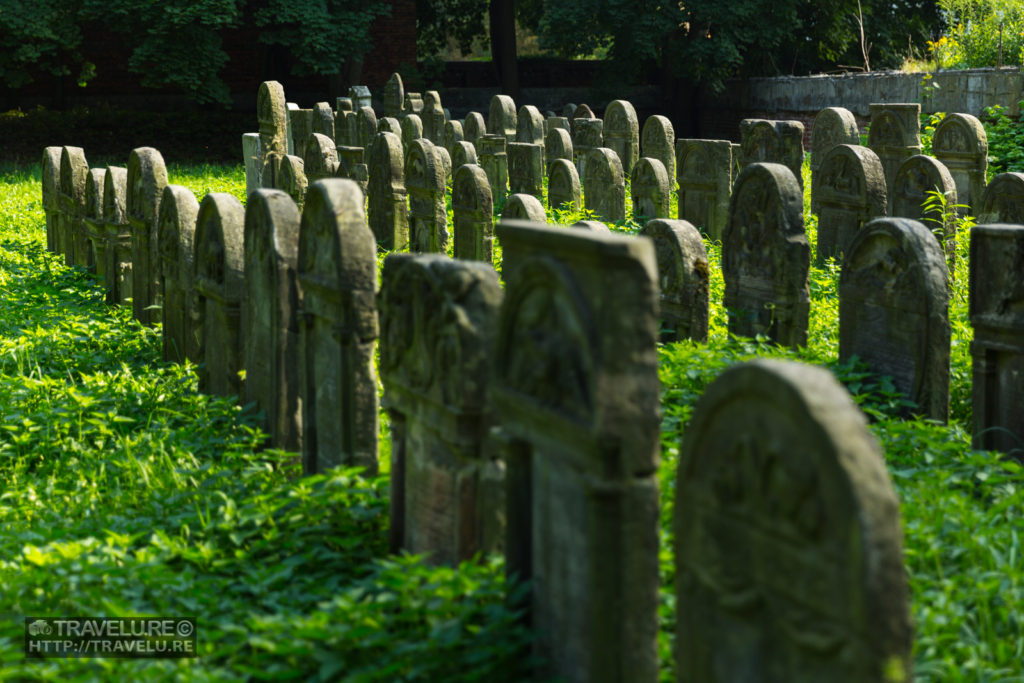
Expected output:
(895, 136)
(850, 192)
(118, 278)
(412, 129)
(777, 142)
(649, 188)
(394, 96)
(387, 201)
(270, 323)
(588, 136)
(622, 133)
(92, 223)
(433, 117)
(915, 178)
(447, 496)
(682, 278)
(530, 125)
(252, 157)
(51, 194)
(220, 286)
(657, 141)
(360, 96)
(425, 183)
(961, 145)
(997, 316)
(501, 118)
(1003, 201)
(580, 316)
(74, 170)
(463, 153)
(557, 145)
(413, 103)
(147, 177)
(832, 126)
(526, 168)
(894, 310)
(337, 274)
(563, 185)
(320, 158)
(704, 173)
(474, 128)
(525, 207)
(493, 159)
(604, 185)
(176, 227)
(323, 119)
(766, 258)
(272, 114)
(788, 543)
(302, 130)
(473, 214)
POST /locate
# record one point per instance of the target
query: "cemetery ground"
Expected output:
(127, 492)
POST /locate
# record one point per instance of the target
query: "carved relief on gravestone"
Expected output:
(474, 127)
(894, 310)
(682, 278)
(473, 214)
(704, 173)
(529, 125)
(117, 279)
(766, 257)
(147, 178)
(302, 129)
(851, 192)
(387, 201)
(525, 207)
(501, 118)
(51, 194)
(604, 185)
(997, 316)
(270, 324)
(463, 153)
(622, 133)
(657, 141)
(576, 393)
(337, 273)
(438, 318)
(832, 126)
(412, 129)
(253, 159)
(916, 177)
(493, 159)
(433, 117)
(176, 228)
(526, 168)
(394, 96)
(589, 136)
(894, 134)
(961, 145)
(74, 170)
(557, 145)
(788, 544)
(272, 114)
(649, 188)
(320, 159)
(323, 119)
(360, 96)
(563, 186)
(220, 284)
(425, 183)
(92, 223)
(413, 103)
(1003, 201)
(452, 134)
(778, 142)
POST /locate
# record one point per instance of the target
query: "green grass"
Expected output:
(129, 493)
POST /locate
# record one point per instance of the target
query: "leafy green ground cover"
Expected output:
(129, 493)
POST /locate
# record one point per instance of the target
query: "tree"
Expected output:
(39, 36)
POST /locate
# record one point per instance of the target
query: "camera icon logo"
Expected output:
(40, 627)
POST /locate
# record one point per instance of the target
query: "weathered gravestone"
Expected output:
(895, 136)
(473, 214)
(351, 165)
(302, 129)
(92, 223)
(413, 103)
(593, 226)
(788, 545)
(117, 279)
(568, 110)
(557, 145)
(51, 194)
(832, 126)
(452, 135)
(74, 170)
(766, 258)
(366, 127)
(272, 114)
(433, 117)
(683, 279)
(446, 161)
(850, 192)
(463, 153)
(997, 316)
(579, 113)
(474, 128)
(576, 393)
(1003, 201)
(176, 228)
(270, 321)
(387, 201)
(494, 160)
(320, 159)
(704, 172)
(649, 188)
(530, 125)
(915, 178)
(501, 118)
(894, 310)
(525, 207)
(622, 133)
(961, 145)
(323, 119)
(337, 274)
(526, 168)
(360, 96)
(657, 141)
(147, 177)
(345, 129)
(604, 186)
(394, 96)
(563, 185)
(286, 173)
(553, 122)
(390, 124)
(220, 286)
(589, 136)
(252, 157)
(425, 183)
(438, 318)
(412, 129)
(777, 142)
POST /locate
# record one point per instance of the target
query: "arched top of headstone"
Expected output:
(394, 96)
(501, 119)
(452, 134)
(387, 160)
(649, 172)
(593, 226)
(526, 207)
(463, 153)
(219, 244)
(73, 172)
(366, 125)
(1003, 201)
(147, 177)
(323, 119)
(115, 195)
(530, 125)
(832, 126)
(176, 227)
(337, 251)
(582, 111)
(470, 189)
(895, 126)
(432, 101)
(657, 140)
(917, 176)
(423, 166)
(390, 124)
(412, 128)
(620, 117)
(292, 178)
(272, 227)
(851, 173)
(604, 163)
(51, 177)
(343, 104)
(959, 135)
(320, 159)
(558, 144)
(474, 127)
(94, 193)
(272, 114)
(413, 103)
(680, 252)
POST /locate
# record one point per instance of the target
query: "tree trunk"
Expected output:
(503, 45)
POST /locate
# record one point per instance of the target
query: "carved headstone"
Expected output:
(74, 169)
(850, 192)
(394, 96)
(961, 145)
(463, 153)
(433, 117)
(323, 119)
(473, 214)
(446, 161)
(588, 136)
(622, 133)
(147, 177)
(525, 207)
(302, 130)
(777, 142)
(832, 126)
(351, 165)
(915, 178)
(493, 159)
(530, 125)
(474, 127)
(553, 122)
(582, 112)
(291, 178)
(320, 159)
(390, 124)
(526, 168)
(1003, 201)
(272, 113)
(51, 194)
(92, 223)
(501, 118)
(604, 185)
(704, 172)
(649, 187)
(557, 145)
(452, 134)
(895, 136)
(252, 156)
(425, 183)
(176, 229)
(388, 208)
(657, 141)
(563, 186)
(360, 96)
(366, 127)
(412, 129)
(683, 279)
(117, 279)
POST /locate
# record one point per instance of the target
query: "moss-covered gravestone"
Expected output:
(563, 185)
(176, 228)
(850, 192)
(74, 170)
(657, 141)
(425, 183)
(961, 145)
(394, 96)
(1003, 201)
(493, 159)
(604, 185)
(387, 206)
(915, 180)
(501, 117)
(622, 133)
(472, 210)
(895, 136)
(147, 177)
(524, 207)
(682, 279)
(526, 168)
(832, 126)
(118, 278)
(92, 222)
(51, 194)
(649, 187)
(704, 173)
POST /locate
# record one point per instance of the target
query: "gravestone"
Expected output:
(290, 107)
(270, 322)
(337, 274)
(387, 201)
(320, 159)
(412, 129)
(649, 187)
(553, 122)
(346, 132)
(593, 226)
(777, 142)
(220, 286)
(589, 136)
(526, 168)
(389, 124)
(176, 227)
(302, 129)
(832, 126)
(501, 118)
(446, 161)
(447, 490)
(366, 127)
(894, 310)
(474, 127)
(622, 133)
(463, 153)
(682, 279)
(563, 186)
(51, 194)
(788, 544)
(530, 125)
(74, 170)
(343, 104)
(557, 145)
(473, 214)
(916, 177)
(525, 207)
(413, 103)
(961, 145)
(704, 173)
(895, 136)
(1003, 201)
(117, 280)
(579, 317)
(425, 183)
(997, 316)
(292, 180)
(452, 134)
(490, 151)
(657, 141)
(360, 96)
(323, 119)
(433, 117)
(147, 177)
(394, 96)
(568, 110)
(766, 258)
(252, 157)
(272, 114)
(604, 186)
(582, 112)
(850, 192)
(92, 222)
(351, 165)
